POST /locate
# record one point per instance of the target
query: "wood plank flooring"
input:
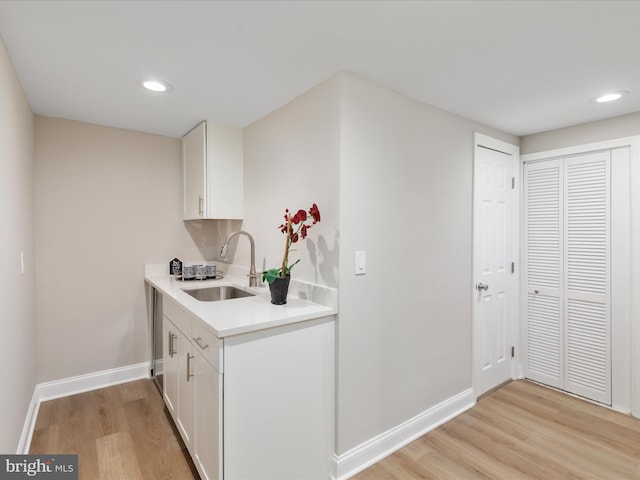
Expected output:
(119, 433)
(522, 431)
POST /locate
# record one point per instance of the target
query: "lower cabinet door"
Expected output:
(208, 419)
(186, 374)
(170, 367)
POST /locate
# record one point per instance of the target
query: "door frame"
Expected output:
(627, 345)
(484, 141)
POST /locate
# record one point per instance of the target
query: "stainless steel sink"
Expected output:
(217, 293)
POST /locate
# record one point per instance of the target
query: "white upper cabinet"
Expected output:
(212, 161)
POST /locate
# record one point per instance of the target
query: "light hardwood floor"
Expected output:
(119, 433)
(522, 431)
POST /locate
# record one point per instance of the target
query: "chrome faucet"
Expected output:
(253, 276)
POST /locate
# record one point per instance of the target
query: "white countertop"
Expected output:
(239, 315)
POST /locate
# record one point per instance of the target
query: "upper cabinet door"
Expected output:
(194, 159)
(213, 172)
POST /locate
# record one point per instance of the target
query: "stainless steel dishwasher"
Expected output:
(157, 344)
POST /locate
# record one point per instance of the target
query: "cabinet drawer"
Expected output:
(207, 344)
(177, 315)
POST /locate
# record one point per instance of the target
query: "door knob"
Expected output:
(482, 286)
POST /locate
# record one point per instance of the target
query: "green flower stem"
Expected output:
(285, 260)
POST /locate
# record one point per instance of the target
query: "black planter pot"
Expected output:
(279, 289)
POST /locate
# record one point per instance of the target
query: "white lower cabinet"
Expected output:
(208, 415)
(276, 417)
(170, 367)
(178, 381)
(279, 400)
(184, 417)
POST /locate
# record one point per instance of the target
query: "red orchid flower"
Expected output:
(315, 213)
(300, 231)
(300, 216)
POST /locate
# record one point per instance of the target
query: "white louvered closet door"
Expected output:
(567, 256)
(587, 265)
(543, 273)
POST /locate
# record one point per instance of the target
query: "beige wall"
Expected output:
(107, 202)
(617, 127)
(17, 292)
(392, 176)
(406, 199)
(291, 161)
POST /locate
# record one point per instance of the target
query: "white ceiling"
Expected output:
(521, 67)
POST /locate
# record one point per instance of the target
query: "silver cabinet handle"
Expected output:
(172, 351)
(482, 286)
(189, 374)
(200, 205)
(197, 340)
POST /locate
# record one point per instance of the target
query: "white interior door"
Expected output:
(567, 274)
(494, 303)
(543, 223)
(587, 265)
(609, 288)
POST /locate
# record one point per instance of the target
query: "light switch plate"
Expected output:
(361, 263)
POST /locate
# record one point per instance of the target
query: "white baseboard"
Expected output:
(91, 381)
(375, 449)
(29, 424)
(71, 386)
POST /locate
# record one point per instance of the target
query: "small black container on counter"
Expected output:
(175, 267)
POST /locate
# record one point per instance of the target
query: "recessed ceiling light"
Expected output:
(157, 86)
(610, 97)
